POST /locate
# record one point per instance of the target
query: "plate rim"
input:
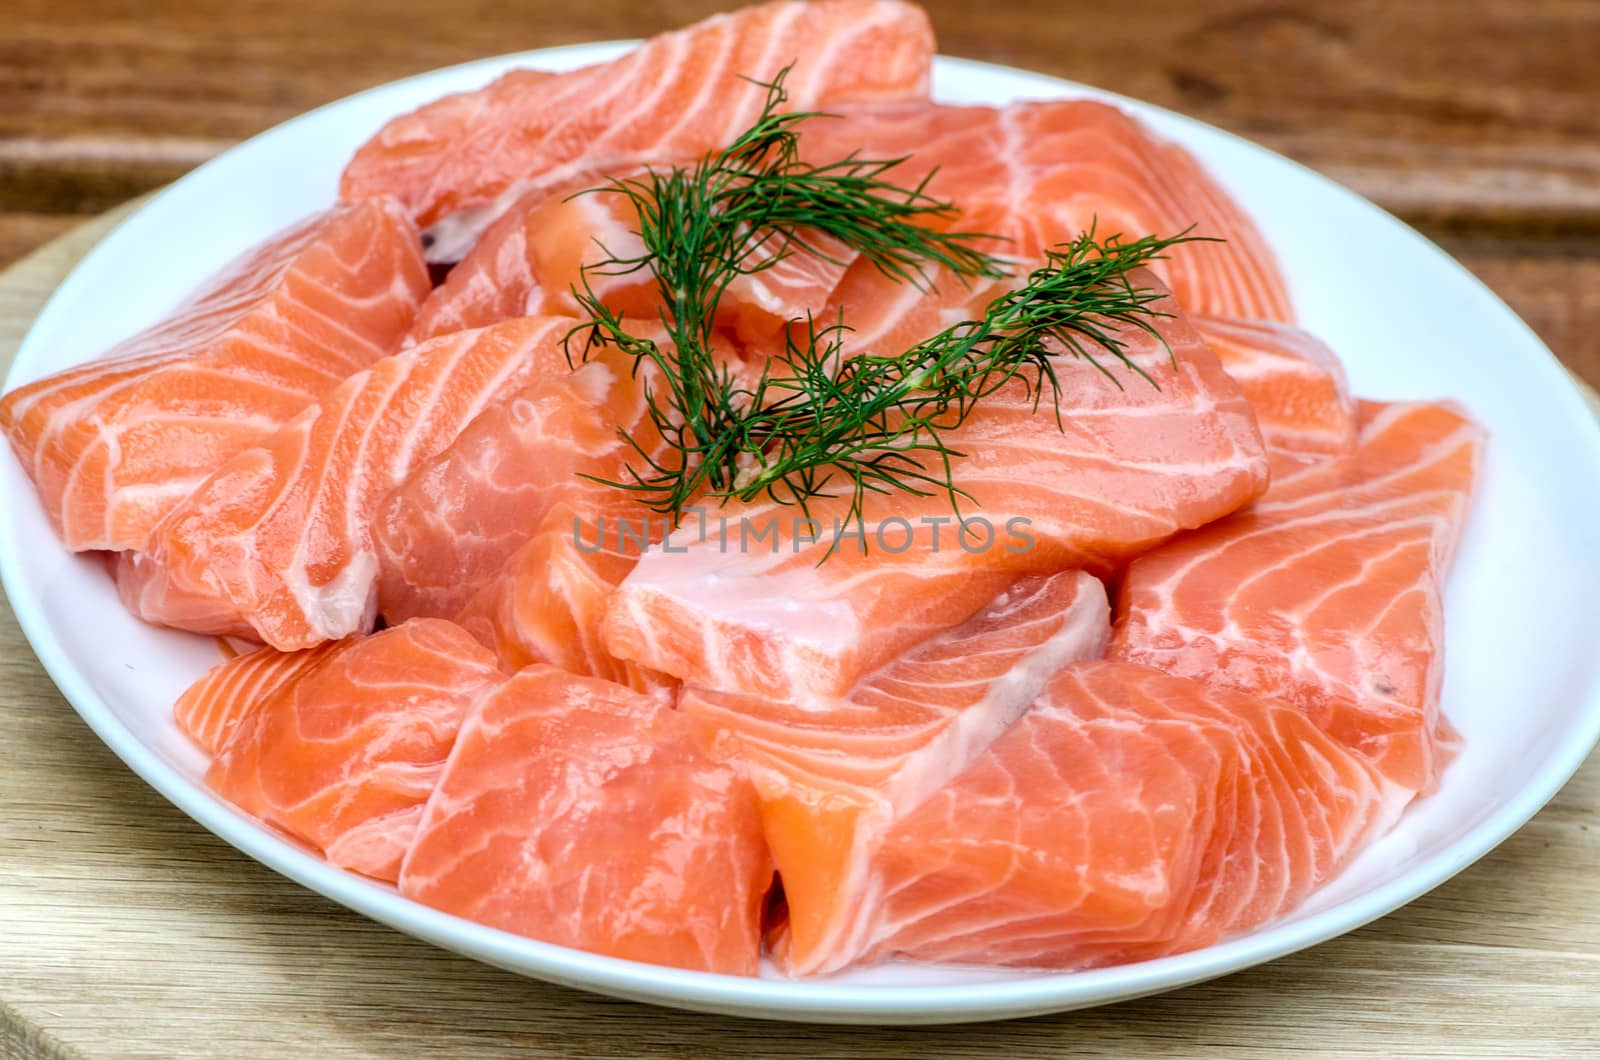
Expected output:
(821, 1001)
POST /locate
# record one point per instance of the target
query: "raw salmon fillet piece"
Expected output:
(149, 592)
(453, 525)
(345, 756)
(1129, 466)
(833, 775)
(1326, 594)
(115, 444)
(466, 159)
(458, 519)
(1128, 815)
(281, 533)
(532, 259)
(525, 262)
(1293, 381)
(575, 811)
(213, 707)
(507, 532)
(548, 604)
(1039, 174)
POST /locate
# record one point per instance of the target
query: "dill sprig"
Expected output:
(817, 422)
(737, 212)
(878, 424)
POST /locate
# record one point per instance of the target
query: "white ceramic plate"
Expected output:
(1523, 674)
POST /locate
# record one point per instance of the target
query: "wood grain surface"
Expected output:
(1449, 109)
(126, 930)
(1475, 120)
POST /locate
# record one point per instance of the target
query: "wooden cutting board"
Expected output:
(127, 930)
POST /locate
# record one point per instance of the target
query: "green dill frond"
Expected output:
(874, 423)
(817, 422)
(737, 212)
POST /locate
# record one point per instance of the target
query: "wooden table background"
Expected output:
(127, 931)
(1476, 120)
